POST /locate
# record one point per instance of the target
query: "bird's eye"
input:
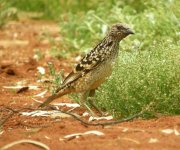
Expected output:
(119, 27)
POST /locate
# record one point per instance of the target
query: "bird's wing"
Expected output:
(80, 70)
(89, 62)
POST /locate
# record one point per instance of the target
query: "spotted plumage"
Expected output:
(93, 68)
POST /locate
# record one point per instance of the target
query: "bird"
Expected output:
(93, 69)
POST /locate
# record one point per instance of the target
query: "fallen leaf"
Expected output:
(52, 114)
(36, 100)
(47, 137)
(153, 140)
(167, 131)
(41, 70)
(74, 105)
(176, 132)
(1, 132)
(23, 89)
(77, 135)
(45, 80)
(128, 139)
(85, 114)
(94, 132)
(59, 114)
(100, 118)
(10, 72)
(41, 94)
(125, 130)
(22, 82)
(31, 87)
(39, 113)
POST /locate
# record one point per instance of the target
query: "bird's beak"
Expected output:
(129, 31)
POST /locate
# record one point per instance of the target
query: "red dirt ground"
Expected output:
(18, 41)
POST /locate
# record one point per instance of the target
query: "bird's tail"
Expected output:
(54, 96)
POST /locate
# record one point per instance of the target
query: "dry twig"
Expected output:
(86, 123)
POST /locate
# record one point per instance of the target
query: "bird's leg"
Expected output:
(91, 101)
(83, 103)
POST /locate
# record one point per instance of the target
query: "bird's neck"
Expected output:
(113, 38)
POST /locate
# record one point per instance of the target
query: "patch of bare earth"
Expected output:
(18, 66)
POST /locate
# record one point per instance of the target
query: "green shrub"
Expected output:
(141, 78)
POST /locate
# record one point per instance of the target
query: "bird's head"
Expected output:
(120, 31)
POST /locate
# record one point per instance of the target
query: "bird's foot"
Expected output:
(95, 113)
